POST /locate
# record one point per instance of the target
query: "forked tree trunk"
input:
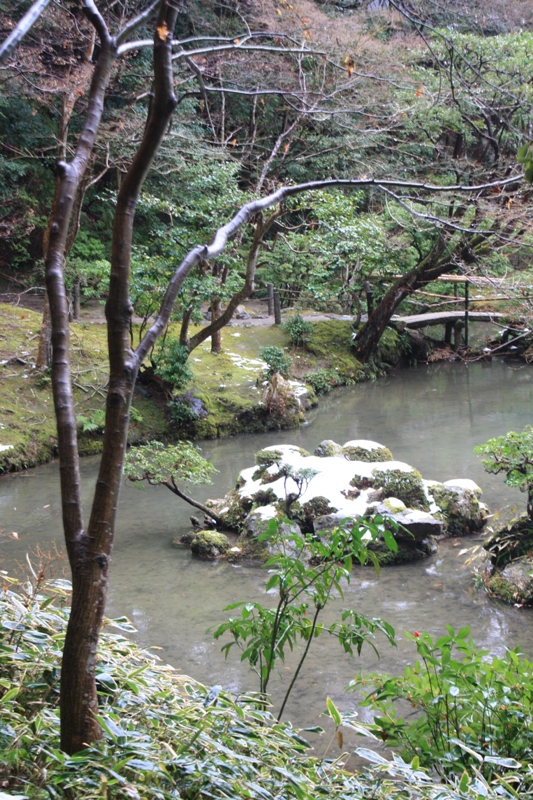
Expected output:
(69, 177)
(92, 550)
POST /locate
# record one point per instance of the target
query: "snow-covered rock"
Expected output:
(318, 492)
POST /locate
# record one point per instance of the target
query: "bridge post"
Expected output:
(458, 333)
(448, 328)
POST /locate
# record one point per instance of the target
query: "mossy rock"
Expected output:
(407, 552)
(514, 583)
(406, 486)
(184, 540)
(268, 458)
(355, 453)
(461, 509)
(209, 544)
(264, 497)
(237, 509)
(265, 459)
(328, 449)
(317, 507)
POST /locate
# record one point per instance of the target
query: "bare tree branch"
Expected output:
(21, 29)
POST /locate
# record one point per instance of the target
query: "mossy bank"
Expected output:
(230, 386)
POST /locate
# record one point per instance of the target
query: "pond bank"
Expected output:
(228, 388)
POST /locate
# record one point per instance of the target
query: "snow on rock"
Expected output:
(463, 483)
(317, 492)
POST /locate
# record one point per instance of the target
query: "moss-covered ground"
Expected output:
(230, 385)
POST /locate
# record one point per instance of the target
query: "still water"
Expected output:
(430, 417)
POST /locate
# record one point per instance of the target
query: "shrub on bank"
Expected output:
(164, 735)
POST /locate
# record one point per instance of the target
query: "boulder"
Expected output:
(366, 450)
(415, 525)
(407, 552)
(328, 449)
(209, 544)
(514, 583)
(458, 501)
(321, 491)
(328, 522)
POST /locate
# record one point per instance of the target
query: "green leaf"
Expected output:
(334, 711)
(10, 694)
(390, 541)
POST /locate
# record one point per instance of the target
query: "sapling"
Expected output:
(307, 573)
(512, 454)
(168, 465)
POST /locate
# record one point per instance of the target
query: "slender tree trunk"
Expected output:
(78, 697)
(217, 324)
(216, 336)
(93, 550)
(173, 486)
(184, 329)
(44, 353)
(76, 299)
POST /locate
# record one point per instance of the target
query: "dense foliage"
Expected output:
(470, 710)
(166, 736)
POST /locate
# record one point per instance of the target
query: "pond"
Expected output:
(431, 417)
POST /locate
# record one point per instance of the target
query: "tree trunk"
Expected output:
(433, 265)
(216, 336)
(44, 353)
(92, 553)
(76, 299)
(249, 282)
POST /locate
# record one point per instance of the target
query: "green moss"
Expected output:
(461, 510)
(331, 346)
(501, 589)
(390, 347)
(238, 510)
(264, 497)
(229, 385)
(209, 544)
(266, 458)
(406, 486)
(362, 454)
(317, 507)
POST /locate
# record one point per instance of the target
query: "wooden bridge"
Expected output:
(454, 321)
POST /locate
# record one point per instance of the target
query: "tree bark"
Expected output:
(433, 265)
(93, 550)
(216, 336)
(442, 257)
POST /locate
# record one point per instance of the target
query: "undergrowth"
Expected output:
(164, 735)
